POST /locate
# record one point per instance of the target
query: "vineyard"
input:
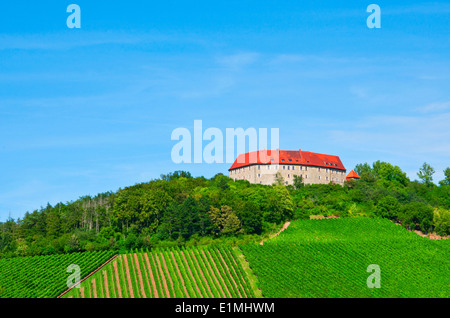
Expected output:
(44, 276)
(169, 273)
(311, 258)
(329, 258)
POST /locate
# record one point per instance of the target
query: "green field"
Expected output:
(311, 258)
(329, 258)
(209, 272)
(44, 276)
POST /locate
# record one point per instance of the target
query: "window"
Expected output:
(319, 169)
(293, 167)
(259, 167)
(284, 167)
(286, 182)
(282, 160)
(259, 175)
(289, 167)
(290, 160)
(289, 175)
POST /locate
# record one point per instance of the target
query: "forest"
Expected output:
(178, 209)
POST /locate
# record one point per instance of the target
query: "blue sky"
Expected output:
(90, 110)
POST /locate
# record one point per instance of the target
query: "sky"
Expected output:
(89, 110)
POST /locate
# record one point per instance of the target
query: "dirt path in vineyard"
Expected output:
(152, 278)
(116, 274)
(94, 288)
(105, 285)
(285, 226)
(167, 270)
(180, 276)
(141, 281)
(127, 270)
(161, 274)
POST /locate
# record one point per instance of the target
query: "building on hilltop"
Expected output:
(262, 167)
(352, 176)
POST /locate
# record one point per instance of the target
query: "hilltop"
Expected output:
(180, 210)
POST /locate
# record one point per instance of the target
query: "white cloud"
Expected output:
(239, 60)
(434, 107)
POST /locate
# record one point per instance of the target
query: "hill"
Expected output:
(180, 210)
(330, 258)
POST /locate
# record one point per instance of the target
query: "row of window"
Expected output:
(276, 167)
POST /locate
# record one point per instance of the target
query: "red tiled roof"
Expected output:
(288, 157)
(352, 175)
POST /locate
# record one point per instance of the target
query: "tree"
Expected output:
(251, 218)
(365, 171)
(446, 181)
(225, 220)
(279, 180)
(298, 182)
(170, 221)
(417, 216)
(231, 225)
(73, 245)
(362, 168)
(388, 173)
(426, 174)
(388, 207)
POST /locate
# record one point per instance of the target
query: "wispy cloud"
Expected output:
(239, 60)
(65, 40)
(434, 107)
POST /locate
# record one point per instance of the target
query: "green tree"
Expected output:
(225, 220)
(298, 182)
(53, 224)
(446, 181)
(388, 173)
(73, 244)
(425, 174)
(251, 218)
(279, 180)
(417, 216)
(388, 207)
(231, 225)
